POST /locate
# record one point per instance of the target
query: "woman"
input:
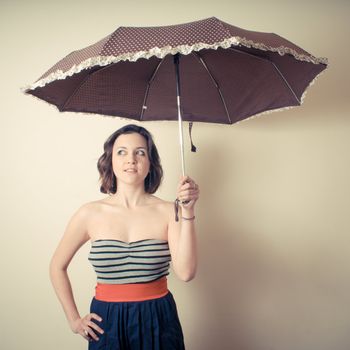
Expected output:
(133, 235)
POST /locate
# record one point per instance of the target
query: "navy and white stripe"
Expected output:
(118, 262)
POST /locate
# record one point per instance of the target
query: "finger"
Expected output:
(95, 316)
(188, 186)
(96, 327)
(193, 184)
(185, 186)
(185, 179)
(85, 335)
(181, 185)
(194, 196)
(187, 199)
(182, 179)
(91, 333)
(189, 180)
(187, 192)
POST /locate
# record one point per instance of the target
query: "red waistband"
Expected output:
(131, 291)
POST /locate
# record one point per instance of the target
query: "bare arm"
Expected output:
(182, 234)
(73, 238)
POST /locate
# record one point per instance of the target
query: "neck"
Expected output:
(130, 196)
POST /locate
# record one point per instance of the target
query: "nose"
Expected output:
(131, 159)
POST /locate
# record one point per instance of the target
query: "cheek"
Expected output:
(116, 164)
(145, 166)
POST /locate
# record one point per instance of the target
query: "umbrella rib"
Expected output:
(81, 83)
(286, 82)
(144, 106)
(201, 60)
(276, 68)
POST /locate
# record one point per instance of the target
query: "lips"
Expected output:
(131, 170)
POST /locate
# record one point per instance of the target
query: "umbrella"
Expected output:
(224, 74)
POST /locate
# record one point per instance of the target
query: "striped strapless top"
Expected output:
(118, 262)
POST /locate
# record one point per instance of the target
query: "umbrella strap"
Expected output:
(193, 147)
(176, 208)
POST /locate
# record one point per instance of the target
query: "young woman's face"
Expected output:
(130, 159)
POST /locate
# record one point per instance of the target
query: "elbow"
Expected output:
(55, 268)
(52, 270)
(187, 276)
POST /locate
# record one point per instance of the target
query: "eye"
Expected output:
(141, 152)
(121, 151)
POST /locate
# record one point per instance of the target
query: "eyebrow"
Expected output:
(127, 148)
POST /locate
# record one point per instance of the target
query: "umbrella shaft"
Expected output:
(181, 136)
(177, 75)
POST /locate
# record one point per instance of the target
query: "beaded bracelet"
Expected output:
(192, 218)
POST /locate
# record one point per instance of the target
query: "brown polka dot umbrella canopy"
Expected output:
(225, 74)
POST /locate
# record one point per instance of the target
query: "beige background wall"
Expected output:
(273, 217)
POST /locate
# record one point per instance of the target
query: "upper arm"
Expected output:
(75, 235)
(173, 230)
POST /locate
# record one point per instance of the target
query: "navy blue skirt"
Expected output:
(138, 325)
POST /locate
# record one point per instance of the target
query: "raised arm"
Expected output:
(182, 234)
(74, 237)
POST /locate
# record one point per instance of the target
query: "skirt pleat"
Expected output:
(138, 325)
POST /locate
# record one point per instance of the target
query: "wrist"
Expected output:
(188, 213)
(73, 323)
(185, 218)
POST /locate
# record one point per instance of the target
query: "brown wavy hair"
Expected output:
(105, 168)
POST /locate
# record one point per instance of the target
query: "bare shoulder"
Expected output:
(166, 207)
(99, 202)
(93, 207)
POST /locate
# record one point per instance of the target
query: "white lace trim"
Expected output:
(282, 50)
(162, 52)
(240, 121)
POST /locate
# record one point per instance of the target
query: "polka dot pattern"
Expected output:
(76, 57)
(227, 74)
(133, 39)
(126, 40)
(132, 43)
